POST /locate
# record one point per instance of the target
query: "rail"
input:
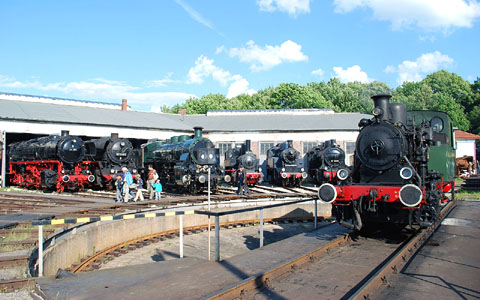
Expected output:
(217, 216)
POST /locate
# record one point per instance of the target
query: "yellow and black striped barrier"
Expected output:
(111, 218)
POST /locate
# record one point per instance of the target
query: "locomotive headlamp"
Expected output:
(184, 178)
(202, 179)
(122, 144)
(63, 171)
(406, 173)
(91, 178)
(327, 193)
(227, 178)
(87, 171)
(302, 169)
(377, 111)
(326, 175)
(284, 175)
(112, 171)
(210, 156)
(283, 169)
(66, 178)
(202, 156)
(342, 174)
(304, 175)
(134, 171)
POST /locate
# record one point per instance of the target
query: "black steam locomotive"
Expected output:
(51, 163)
(112, 153)
(242, 156)
(392, 182)
(326, 163)
(285, 167)
(182, 162)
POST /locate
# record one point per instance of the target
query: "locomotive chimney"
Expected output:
(198, 131)
(382, 106)
(290, 143)
(124, 104)
(399, 113)
(65, 133)
(114, 135)
(248, 146)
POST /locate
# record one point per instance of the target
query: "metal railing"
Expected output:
(217, 216)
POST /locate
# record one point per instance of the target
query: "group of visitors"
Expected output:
(130, 188)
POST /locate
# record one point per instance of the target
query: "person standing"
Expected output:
(140, 189)
(158, 189)
(242, 181)
(152, 176)
(119, 186)
(128, 180)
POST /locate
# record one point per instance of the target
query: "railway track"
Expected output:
(336, 270)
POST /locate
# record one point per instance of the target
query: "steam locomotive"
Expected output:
(112, 153)
(182, 162)
(285, 167)
(242, 156)
(326, 163)
(54, 162)
(403, 166)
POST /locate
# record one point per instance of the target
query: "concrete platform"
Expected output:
(448, 266)
(188, 278)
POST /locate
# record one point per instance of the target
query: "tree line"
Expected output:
(442, 91)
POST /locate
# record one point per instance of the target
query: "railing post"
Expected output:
(261, 227)
(315, 217)
(181, 235)
(40, 251)
(217, 238)
(4, 158)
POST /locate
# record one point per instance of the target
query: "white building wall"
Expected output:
(82, 129)
(465, 147)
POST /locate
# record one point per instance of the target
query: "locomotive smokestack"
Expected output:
(124, 104)
(198, 131)
(248, 145)
(382, 106)
(114, 135)
(65, 133)
(290, 143)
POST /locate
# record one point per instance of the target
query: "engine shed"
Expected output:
(23, 117)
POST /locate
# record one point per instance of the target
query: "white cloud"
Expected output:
(292, 7)
(161, 82)
(430, 15)
(352, 74)
(416, 70)
(318, 72)
(239, 87)
(205, 68)
(264, 58)
(101, 89)
(195, 15)
(220, 49)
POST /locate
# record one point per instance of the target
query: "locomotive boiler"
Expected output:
(242, 156)
(182, 162)
(285, 167)
(53, 162)
(393, 178)
(112, 153)
(326, 163)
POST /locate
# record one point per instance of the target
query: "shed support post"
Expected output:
(315, 217)
(217, 238)
(181, 235)
(261, 227)
(40, 251)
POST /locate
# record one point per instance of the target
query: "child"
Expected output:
(158, 189)
(119, 184)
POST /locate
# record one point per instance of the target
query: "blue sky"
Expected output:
(158, 53)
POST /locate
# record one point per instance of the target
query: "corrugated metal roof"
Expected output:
(273, 122)
(45, 112)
